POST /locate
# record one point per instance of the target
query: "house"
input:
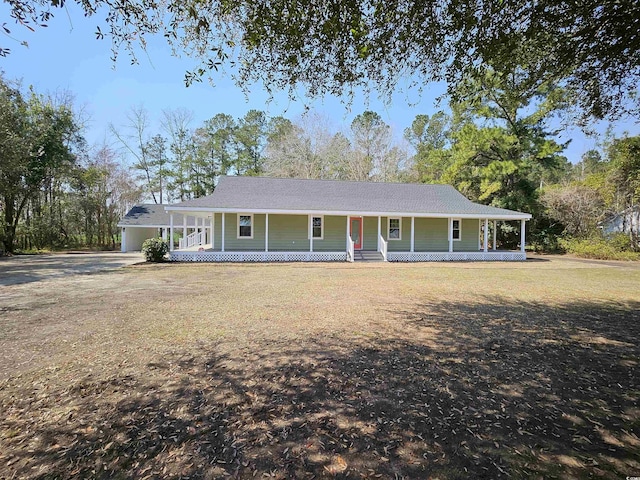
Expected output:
(146, 221)
(259, 219)
(627, 221)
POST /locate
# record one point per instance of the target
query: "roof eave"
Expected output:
(515, 216)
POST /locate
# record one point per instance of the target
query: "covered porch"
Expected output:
(250, 236)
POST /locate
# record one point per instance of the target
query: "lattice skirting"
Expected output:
(178, 256)
(456, 256)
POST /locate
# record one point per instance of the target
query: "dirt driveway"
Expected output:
(33, 268)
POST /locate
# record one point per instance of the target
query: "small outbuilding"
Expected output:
(627, 221)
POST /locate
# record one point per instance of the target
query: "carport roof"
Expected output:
(149, 215)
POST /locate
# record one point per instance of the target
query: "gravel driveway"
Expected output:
(34, 268)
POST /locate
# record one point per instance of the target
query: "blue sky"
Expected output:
(66, 55)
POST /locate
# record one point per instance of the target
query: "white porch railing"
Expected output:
(383, 247)
(192, 240)
(350, 249)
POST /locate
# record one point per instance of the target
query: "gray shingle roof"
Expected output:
(149, 214)
(287, 194)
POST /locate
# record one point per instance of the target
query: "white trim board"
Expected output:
(342, 213)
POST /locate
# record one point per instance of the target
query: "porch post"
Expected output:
(266, 232)
(123, 240)
(486, 235)
(495, 234)
(171, 232)
(522, 235)
(164, 234)
(450, 235)
(213, 231)
(412, 232)
(222, 243)
(379, 232)
(347, 239)
(479, 234)
(310, 229)
(184, 231)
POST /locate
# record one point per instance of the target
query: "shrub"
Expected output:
(154, 249)
(598, 248)
(620, 242)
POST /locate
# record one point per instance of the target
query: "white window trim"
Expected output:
(459, 229)
(238, 226)
(389, 229)
(321, 217)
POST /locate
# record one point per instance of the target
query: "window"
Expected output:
(245, 226)
(317, 228)
(456, 229)
(395, 229)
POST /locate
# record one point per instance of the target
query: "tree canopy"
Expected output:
(591, 47)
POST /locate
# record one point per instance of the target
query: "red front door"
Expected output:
(356, 232)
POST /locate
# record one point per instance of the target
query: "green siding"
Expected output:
(469, 240)
(289, 233)
(431, 235)
(404, 244)
(370, 233)
(231, 240)
(335, 235)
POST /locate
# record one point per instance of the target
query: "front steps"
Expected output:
(367, 256)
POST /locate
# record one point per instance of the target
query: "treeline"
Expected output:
(177, 162)
(495, 146)
(54, 191)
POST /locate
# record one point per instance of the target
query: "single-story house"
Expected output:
(145, 221)
(260, 219)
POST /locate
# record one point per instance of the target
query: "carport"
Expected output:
(150, 220)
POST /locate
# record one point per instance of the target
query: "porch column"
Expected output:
(486, 235)
(266, 232)
(123, 241)
(184, 231)
(222, 242)
(164, 234)
(347, 239)
(379, 232)
(479, 234)
(495, 234)
(213, 231)
(413, 225)
(310, 228)
(522, 234)
(171, 232)
(450, 234)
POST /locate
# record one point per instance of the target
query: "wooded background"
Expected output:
(495, 147)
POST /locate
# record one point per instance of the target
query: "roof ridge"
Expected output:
(368, 182)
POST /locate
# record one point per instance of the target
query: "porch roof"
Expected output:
(148, 215)
(286, 195)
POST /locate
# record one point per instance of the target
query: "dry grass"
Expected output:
(310, 370)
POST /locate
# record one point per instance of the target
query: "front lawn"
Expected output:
(462, 370)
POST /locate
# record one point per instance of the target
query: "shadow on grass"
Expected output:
(489, 390)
